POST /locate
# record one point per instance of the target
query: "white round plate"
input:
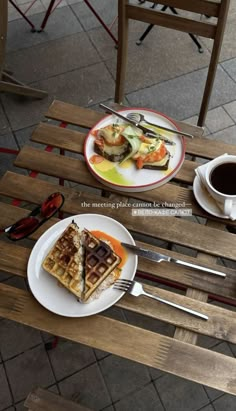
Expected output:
(127, 177)
(205, 200)
(58, 299)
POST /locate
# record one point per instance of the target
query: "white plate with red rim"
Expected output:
(127, 177)
(58, 299)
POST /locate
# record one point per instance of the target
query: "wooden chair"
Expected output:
(211, 28)
(9, 83)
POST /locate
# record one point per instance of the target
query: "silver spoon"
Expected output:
(138, 118)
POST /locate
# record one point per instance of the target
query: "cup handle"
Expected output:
(228, 205)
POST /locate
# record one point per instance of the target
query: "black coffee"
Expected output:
(223, 178)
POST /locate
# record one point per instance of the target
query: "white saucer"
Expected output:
(205, 200)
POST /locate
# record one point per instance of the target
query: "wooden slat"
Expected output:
(76, 170)
(54, 136)
(171, 229)
(40, 399)
(190, 278)
(206, 7)
(169, 193)
(76, 115)
(206, 367)
(14, 258)
(207, 148)
(221, 323)
(36, 191)
(160, 18)
(74, 141)
(71, 114)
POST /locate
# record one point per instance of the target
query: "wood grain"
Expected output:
(40, 399)
(152, 349)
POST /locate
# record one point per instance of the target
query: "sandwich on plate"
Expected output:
(82, 263)
(120, 142)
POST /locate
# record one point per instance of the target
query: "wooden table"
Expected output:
(8, 83)
(179, 354)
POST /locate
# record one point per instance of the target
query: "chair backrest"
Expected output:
(209, 28)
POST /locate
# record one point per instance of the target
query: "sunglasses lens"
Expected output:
(22, 228)
(52, 205)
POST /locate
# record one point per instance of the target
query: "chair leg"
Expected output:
(24, 16)
(20, 89)
(121, 53)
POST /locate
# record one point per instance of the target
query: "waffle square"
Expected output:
(65, 261)
(100, 261)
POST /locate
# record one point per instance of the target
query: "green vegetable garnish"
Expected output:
(133, 138)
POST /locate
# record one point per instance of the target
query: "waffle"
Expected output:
(82, 263)
(100, 261)
(65, 261)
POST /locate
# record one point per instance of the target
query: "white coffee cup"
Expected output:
(220, 178)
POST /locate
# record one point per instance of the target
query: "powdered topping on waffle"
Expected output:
(65, 261)
(100, 261)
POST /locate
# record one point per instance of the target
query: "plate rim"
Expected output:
(132, 187)
(196, 182)
(77, 315)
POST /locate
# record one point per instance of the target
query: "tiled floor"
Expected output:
(74, 60)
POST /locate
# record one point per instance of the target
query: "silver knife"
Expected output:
(154, 256)
(147, 131)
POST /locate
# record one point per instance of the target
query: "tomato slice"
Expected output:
(152, 157)
(96, 159)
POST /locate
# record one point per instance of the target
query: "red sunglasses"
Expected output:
(27, 225)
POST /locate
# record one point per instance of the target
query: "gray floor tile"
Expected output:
(226, 402)
(222, 348)
(69, 357)
(227, 135)
(174, 390)
(23, 136)
(128, 376)
(61, 23)
(146, 399)
(168, 56)
(86, 387)
(180, 98)
(5, 395)
(110, 408)
(82, 87)
(230, 67)
(218, 119)
(103, 43)
(16, 338)
(29, 370)
(6, 159)
(66, 54)
(231, 109)
(88, 19)
(209, 407)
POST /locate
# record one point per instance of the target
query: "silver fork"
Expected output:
(139, 118)
(136, 289)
